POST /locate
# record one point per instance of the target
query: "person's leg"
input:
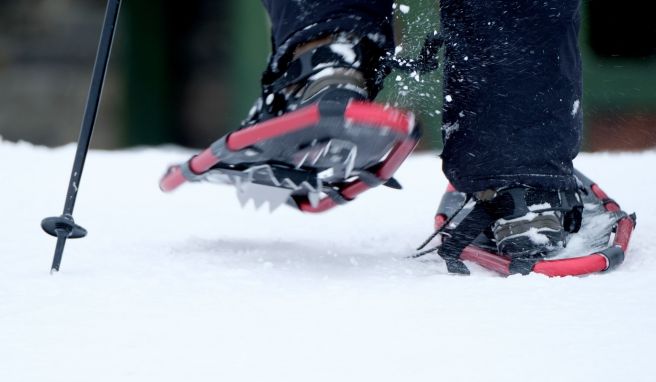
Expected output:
(512, 122)
(512, 108)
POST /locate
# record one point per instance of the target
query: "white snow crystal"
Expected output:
(404, 8)
(376, 37)
(575, 107)
(344, 50)
(323, 73)
(449, 128)
(536, 207)
(528, 216)
(536, 237)
(448, 98)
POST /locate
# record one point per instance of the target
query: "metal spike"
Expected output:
(350, 161)
(299, 162)
(258, 202)
(259, 198)
(262, 194)
(263, 172)
(243, 197)
(288, 183)
(325, 150)
(393, 183)
(238, 183)
(243, 186)
(278, 197)
(314, 197)
(309, 187)
(310, 154)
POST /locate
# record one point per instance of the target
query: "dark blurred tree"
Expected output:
(627, 31)
(176, 70)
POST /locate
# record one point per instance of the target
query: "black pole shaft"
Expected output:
(64, 227)
(62, 235)
(93, 99)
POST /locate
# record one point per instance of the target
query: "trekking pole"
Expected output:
(64, 227)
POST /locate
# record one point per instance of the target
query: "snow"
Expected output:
(345, 50)
(189, 286)
(541, 206)
(450, 128)
(536, 237)
(575, 107)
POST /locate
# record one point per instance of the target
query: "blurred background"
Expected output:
(187, 72)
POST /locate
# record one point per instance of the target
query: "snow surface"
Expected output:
(189, 286)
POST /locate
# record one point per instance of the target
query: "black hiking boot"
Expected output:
(538, 223)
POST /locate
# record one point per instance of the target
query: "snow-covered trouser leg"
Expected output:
(512, 95)
(297, 22)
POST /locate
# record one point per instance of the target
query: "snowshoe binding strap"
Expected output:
(344, 61)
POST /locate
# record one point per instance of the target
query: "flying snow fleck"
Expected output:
(575, 107)
(404, 8)
(448, 98)
(344, 50)
(536, 237)
(449, 128)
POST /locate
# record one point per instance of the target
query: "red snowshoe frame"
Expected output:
(369, 115)
(599, 261)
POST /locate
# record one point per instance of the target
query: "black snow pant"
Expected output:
(512, 81)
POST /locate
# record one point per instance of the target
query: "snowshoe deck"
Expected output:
(606, 232)
(313, 158)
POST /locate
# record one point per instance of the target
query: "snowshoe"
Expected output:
(314, 139)
(543, 235)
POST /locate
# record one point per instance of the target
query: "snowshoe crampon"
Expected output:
(603, 237)
(313, 158)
